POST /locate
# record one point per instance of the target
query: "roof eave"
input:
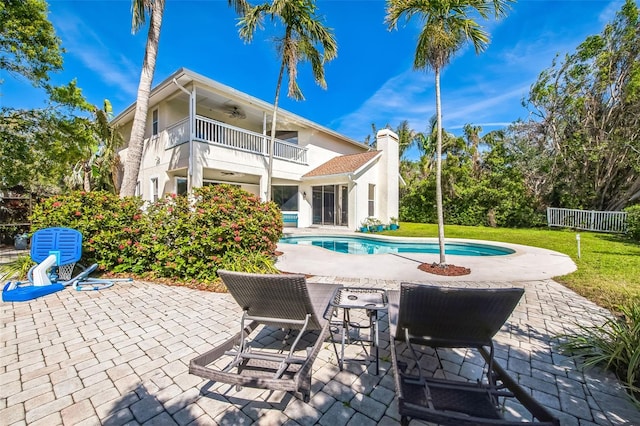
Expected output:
(195, 77)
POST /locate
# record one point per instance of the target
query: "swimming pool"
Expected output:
(362, 245)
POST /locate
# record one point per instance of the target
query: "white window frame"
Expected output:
(371, 200)
(176, 183)
(154, 184)
(155, 122)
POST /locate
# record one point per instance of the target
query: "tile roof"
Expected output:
(343, 164)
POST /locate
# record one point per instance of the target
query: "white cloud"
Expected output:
(609, 13)
(86, 45)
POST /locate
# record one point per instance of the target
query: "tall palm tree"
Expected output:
(447, 27)
(140, 9)
(304, 34)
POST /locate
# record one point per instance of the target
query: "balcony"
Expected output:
(218, 133)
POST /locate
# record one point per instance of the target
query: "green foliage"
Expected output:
(16, 269)
(192, 239)
(177, 237)
(633, 222)
(112, 227)
(614, 345)
(29, 46)
(480, 187)
(584, 149)
(39, 148)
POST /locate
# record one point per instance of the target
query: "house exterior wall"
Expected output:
(212, 162)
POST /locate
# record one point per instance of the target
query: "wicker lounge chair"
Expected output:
(282, 301)
(422, 315)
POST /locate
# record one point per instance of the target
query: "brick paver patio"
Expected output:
(121, 355)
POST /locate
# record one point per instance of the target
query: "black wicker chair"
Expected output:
(441, 317)
(281, 301)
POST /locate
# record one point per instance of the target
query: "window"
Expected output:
(290, 136)
(181, 185)
(213, 183)
(154, 122)
(372, 199)
(286, 197)
(154, 189)
(137, 193)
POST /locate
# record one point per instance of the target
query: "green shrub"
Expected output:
(633, 222)
(16, 269)
(193, 238)
(111, 227)
(178, 237)
(614, 345)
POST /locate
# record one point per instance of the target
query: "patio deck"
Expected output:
(120, 356)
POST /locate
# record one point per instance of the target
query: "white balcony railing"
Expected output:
(178, 133)
(216, 132)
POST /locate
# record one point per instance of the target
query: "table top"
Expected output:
(360, 298)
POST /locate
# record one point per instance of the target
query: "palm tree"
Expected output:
(107, 161)
(139, 10)
(447, 27)
(304, 33)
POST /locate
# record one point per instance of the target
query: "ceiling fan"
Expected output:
(235, 111)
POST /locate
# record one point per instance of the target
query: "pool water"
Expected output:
(360, 245)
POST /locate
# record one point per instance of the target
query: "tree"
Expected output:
(304, 33)
(29, 46)
(447, 27)
(98, 170)
(589, 111)
(40, 147)
(140, 9)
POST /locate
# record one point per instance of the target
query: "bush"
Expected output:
(177, 237)
(633, 222)
(16, 269)
(111, 227)
(614, 345)
(222, 223)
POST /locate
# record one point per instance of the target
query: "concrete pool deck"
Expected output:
(526, 264)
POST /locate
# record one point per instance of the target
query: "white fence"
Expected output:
(589, 220)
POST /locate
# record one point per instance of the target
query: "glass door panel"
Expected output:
(328, 203)
(316, 205)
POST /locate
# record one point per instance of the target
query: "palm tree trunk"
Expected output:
(272, 141)
(439, 171)
(87, 177)
(136, 142)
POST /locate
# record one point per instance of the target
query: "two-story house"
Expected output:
(200, 132)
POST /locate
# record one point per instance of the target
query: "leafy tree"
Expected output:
(589, 110)
(447, 27)
(29, 46)
(304, 34)
(40, 147)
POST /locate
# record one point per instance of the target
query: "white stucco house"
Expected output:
(200, 132)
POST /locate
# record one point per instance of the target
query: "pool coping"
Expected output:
(526, 264)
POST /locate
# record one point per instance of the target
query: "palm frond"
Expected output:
(614, 345)
(139, 10)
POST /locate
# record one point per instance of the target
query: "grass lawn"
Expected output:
(608, 269)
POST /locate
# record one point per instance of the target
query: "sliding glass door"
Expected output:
(329, 205)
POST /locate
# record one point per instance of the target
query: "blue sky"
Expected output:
(371, 81)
